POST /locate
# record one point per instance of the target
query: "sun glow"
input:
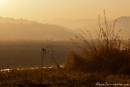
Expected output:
(2, 2)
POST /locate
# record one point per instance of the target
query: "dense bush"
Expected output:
(105, 52)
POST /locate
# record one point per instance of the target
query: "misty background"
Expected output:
(60, 29)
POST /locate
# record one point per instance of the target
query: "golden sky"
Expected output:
(71, 9)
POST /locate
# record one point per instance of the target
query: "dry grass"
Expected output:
(54, 77)
(106, 52)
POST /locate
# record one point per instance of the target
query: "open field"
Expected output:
(28, 54)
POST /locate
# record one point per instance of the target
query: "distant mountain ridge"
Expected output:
(11, 28)
(73, 24)
(15, 21)
(122, 23)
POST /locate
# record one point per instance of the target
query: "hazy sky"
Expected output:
(71, 9)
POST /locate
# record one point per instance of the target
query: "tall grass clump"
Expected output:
(105, 52)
